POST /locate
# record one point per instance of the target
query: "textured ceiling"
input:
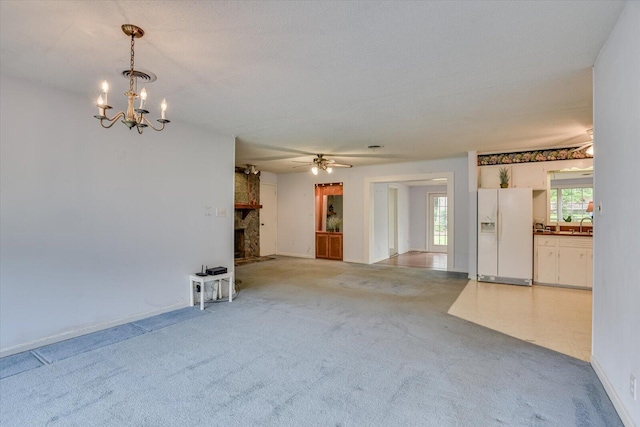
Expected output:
(290, 79)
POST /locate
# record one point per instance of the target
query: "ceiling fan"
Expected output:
(322, 163)
(587, 146)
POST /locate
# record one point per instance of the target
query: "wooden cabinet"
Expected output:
(322, 245)
(563, 260)
(335, 246)
(328, 245)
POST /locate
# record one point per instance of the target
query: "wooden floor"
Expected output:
(555, 318)
(432, 260)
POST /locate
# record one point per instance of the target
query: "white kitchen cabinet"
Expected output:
(529, 175)
(572, 266)
(521, 175)
(547, 265)
(589, 268)
(490, 176)
(563, 260)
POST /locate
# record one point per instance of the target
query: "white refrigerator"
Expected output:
(505, 236)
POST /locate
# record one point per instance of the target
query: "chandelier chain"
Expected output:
(133, 42)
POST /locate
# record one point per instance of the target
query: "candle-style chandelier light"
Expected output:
(133, 116)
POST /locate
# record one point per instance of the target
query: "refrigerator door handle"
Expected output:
(495, 219)
(499, 227)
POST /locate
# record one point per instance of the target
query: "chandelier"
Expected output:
(133, 116)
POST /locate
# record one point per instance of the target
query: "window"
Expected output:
(569, 204)
(439, 236)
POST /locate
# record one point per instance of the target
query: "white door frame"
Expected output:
(367, 221)
(431, 247)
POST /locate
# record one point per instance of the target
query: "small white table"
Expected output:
(211, 278)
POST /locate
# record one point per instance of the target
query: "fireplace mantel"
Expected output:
(246, 208)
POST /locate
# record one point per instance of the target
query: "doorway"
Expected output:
(372, 238)
(437, 238)
(328, 223)
(268, 219)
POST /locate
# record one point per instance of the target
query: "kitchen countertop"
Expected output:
(563, 233)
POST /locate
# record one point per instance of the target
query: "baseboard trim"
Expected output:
(86, 330)
(378, 259)
(295, 255)
(611, 392)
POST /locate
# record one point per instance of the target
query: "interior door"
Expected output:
(268, 219)
(393, 221)
(438, 237)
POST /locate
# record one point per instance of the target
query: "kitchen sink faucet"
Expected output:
(582, 220)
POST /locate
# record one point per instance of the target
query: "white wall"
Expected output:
(380, 221)
(296, 206)
(616, 289)
(418, 217)
(472, 212)
(268, 177)
(101, 225)
(380, 235)
(403, 218)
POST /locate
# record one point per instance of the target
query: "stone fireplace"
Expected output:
(238, 243)
(246, 215)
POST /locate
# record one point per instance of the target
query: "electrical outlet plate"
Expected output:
(632, 387)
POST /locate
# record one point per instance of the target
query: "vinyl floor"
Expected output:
(552, 317)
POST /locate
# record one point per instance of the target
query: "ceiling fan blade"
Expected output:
(370, 156)
(270, 158)
(583, 146)
(275, 148)
(340, 165)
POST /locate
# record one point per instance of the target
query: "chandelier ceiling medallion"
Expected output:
(133, 116)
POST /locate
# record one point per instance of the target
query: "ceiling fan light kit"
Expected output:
(134, 117)
(322, 163)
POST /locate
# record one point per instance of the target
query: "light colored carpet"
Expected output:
(311, 342)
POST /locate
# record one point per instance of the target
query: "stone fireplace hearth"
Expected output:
(238, 243)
